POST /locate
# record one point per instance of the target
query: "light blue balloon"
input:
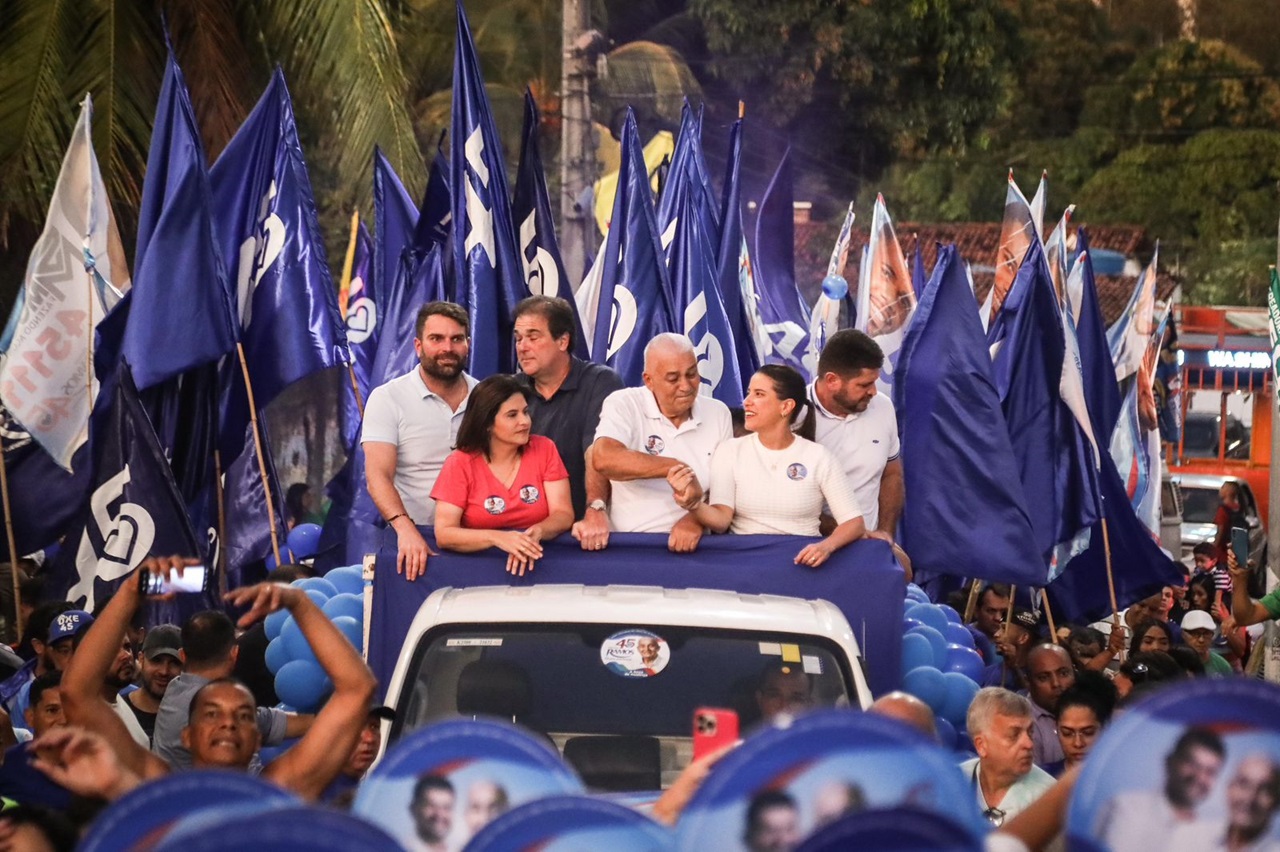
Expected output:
(302, 684)
(915, 594)
(946, 732)
(273, 622)
(835, 287)
(928, 685)
(916, 652)
(929, 614)
(348, 605)
(965, 661)
(304, 540)
(958, 634)
(349, 579)
(319, 584)
(294, 642)
(352, 629)
(277, 655)
(318, 597)
(960, 691)
(936, 642)
(910, 624)
(950, 613)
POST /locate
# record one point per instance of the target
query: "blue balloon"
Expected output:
(304, 540)
(271, 562)
(277, 655)
(294, 642)
(936, 642)
(965, 661)
(959, 691)
(946, 732)
(349, 579)
(273, 622)
(914, 587)
(319, 584)
(317, 597)
(951, 614)
(928, 685)
(349, 605)
(352, 629)
(958, 634)
(916, 652)
(302, 684)
(929, 614)
(911, 623)
(835, 287)
(917, 596)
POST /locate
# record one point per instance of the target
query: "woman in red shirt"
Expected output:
(502, 486)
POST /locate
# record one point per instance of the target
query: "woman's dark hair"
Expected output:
(789, 384)
(1151, 667)
(1188, 659)
(1092, 690)
(293, 501)
(1145, 627)
(1210, 588)
(56, 827)
(482, 409)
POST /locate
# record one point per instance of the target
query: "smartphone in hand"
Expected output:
(1240, 546)
(194, 579)
(713, 729)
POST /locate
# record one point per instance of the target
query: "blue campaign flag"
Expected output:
(634, 272)
(687, 174)
(488, 273)
(1101, 391)
(436, 212)
(782, 309)
(968, 513)
(395, 217)
(919, 275)
(288, 307)
(132, 509)
(248, 524)
(419, 280)
(47, 496)
(1054, 461)
(362, 335)
(176, 322)
(544, 272)
(698, 305)
(736, 290)
(1140, 569)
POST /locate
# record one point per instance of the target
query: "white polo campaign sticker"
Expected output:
(635, 653)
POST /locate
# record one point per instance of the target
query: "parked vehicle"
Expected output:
(1200, 505)
(612, 675)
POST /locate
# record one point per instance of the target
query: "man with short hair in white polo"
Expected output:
(656, 442)
(860, 426)
(410, 425)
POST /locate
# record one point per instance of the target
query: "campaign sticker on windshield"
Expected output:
(474, 642)
(635, 653)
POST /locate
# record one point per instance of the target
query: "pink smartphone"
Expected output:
(713, 729)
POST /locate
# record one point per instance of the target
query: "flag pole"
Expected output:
(1111, 579)
(1048, 613)
(222, 524)
(1008, 619)
(262, 461)
(974, 590)
(344, 293)
(13, 544)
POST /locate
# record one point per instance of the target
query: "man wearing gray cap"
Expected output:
(159, 663)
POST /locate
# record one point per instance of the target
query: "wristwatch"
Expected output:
(598, 505)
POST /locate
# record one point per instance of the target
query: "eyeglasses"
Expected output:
(995, 816)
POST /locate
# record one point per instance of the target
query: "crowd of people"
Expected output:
(92, 705)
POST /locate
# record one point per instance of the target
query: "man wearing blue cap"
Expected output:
(58, 648)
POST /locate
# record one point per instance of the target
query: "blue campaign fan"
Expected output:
(904, 829)
(564, 823)
(1224, 729)
(151, 812)
(291, 829)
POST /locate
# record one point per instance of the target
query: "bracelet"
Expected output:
(395, 517)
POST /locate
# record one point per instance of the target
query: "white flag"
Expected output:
(44, 377)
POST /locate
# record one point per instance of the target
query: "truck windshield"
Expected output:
(576, 679)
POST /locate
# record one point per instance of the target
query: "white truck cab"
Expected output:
(613, 674)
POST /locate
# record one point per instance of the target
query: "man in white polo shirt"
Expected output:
(656, 442)
(859, 426)
(410, 424)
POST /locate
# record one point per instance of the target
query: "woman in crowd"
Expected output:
(1084, 709)
(1231, 642)
(502, 487)
(1141, 672)
(775, 481)
(1200, 592)
(1151, 636)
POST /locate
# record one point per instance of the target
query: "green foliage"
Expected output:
(1234, 272)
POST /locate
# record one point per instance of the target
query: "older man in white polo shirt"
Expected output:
(655, 445)
(410, 424)
(859, 426)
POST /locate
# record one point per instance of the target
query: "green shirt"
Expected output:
(1215, 666)
(1272, 602)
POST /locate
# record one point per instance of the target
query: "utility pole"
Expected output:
(581, 46)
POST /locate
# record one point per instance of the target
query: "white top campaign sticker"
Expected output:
(635, 653)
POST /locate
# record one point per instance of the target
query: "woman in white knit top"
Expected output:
(775, 481)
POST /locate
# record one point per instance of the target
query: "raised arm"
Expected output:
(1244, 609)
(310, 765)
(380, 478)
(82, 681)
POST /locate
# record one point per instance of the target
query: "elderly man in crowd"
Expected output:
(1004, 777)
(658, 440)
